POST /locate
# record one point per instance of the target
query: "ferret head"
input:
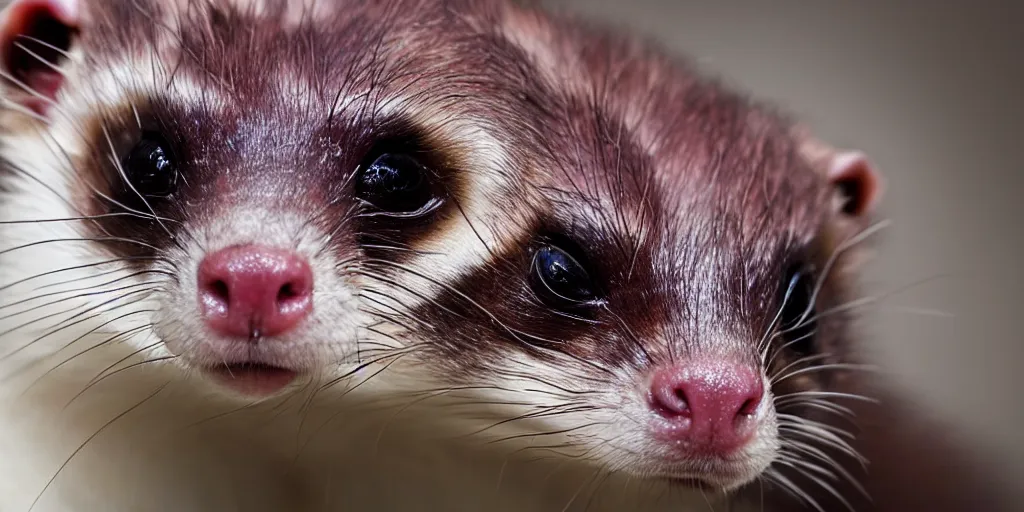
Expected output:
(666, 296)
(229, 184)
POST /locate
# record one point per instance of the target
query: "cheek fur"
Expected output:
(60, 289)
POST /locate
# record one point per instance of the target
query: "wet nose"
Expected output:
(253, 291)
(707, 406)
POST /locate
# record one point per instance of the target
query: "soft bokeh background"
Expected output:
(934, 92)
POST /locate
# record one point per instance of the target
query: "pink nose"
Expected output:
(707, 407)
(253, 291)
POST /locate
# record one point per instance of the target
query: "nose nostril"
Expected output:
(287, 293)
(683, 404)
(749, 407)
(669, 400)
(254, 287)
(711, 407)
(219, 290)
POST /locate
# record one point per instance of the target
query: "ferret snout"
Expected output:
(706, 408)
(252, 291)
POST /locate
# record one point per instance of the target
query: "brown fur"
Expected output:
(687, 201)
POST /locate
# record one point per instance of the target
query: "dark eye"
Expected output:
(395, 183)
(798, 319)
(150, 166)
(560, 279)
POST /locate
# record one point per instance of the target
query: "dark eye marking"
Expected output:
(798, 318)
(397, 185)
(561, 281)
(151, 167)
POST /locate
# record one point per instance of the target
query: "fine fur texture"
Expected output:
(435, 378)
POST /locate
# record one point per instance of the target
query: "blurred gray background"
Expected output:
(932, 91)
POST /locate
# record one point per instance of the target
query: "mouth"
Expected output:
(252, 378)
(721, 481)
(699, 484)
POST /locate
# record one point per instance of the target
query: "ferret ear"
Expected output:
(35, 37)
(857, 183)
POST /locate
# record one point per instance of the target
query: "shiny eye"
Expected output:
(395, 183)
(561, 280)
(150, 166)
(798, 320)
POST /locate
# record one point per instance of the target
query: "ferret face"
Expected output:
(666, 296)
(634, 267)
(230, 184)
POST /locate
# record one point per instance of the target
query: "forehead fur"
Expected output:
(526, 70)
(599, 129)
(248, 49)
(657, 129)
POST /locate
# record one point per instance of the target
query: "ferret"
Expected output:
(201, 204)
(666, 313)
(495, 258)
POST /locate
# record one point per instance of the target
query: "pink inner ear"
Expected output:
(857, 179)
(36, 35)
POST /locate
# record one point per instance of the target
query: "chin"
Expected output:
(253, 380)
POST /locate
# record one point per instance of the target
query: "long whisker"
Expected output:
(823, 394)
(794, 489)
(93, 239)
(851, 242)
(118, 336)
(818, 454)
(826, 367)
(76, 267)
(63, 324)
(78, 219)
(89, 439)
(79, 296)
(104, 376)
(46, 62)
